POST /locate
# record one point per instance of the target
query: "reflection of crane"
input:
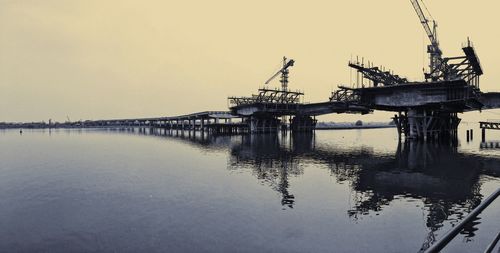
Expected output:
(284, 74)
(435, 53)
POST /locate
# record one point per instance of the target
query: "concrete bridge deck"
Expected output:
(193, 116)
(310, 109)
(216, 121)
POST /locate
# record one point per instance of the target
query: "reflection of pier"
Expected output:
(490, 145)
(447, 183)
(202, 140)
(445, 180)
(272, 159)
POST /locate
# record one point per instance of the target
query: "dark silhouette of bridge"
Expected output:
(426, 109)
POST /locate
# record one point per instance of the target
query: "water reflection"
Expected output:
(272, 159)
(444, 179)
(202, 140)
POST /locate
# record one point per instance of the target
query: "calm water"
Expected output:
(334, 191)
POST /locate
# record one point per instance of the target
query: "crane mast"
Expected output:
(284, 82)
(284, 73)
(441, 69)
(435, 53)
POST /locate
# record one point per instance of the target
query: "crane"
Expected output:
(284, 73)
(437, 64)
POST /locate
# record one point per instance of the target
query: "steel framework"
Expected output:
(345, 94)
(268, 96)
(377, 75)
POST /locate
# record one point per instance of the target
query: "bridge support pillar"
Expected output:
(413, 124)
(263, 124)
(400, 122)
(302, 123)
(424, 124)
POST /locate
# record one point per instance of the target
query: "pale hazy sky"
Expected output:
(94, 59)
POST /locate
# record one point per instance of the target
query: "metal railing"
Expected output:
(492, 245)
(439, 245)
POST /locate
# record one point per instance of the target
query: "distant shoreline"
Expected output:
(351, 127)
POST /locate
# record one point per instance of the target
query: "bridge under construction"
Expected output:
(425, 109)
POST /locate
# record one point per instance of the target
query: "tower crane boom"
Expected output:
(436, 60)
(431, 33)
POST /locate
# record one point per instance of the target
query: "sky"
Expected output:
(94, 59)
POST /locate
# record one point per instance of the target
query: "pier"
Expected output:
(211, 121)
(494, 125)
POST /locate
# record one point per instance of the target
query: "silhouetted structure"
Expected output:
(426, 109)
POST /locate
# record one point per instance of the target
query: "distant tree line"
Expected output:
(42, 124)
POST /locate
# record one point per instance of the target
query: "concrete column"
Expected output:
(397, 120)
(412, 123)
(424, 125)
(253, 125)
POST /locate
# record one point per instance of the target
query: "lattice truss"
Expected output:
(465, 68)
(377, 75)
(344, 94)
(268, 96)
